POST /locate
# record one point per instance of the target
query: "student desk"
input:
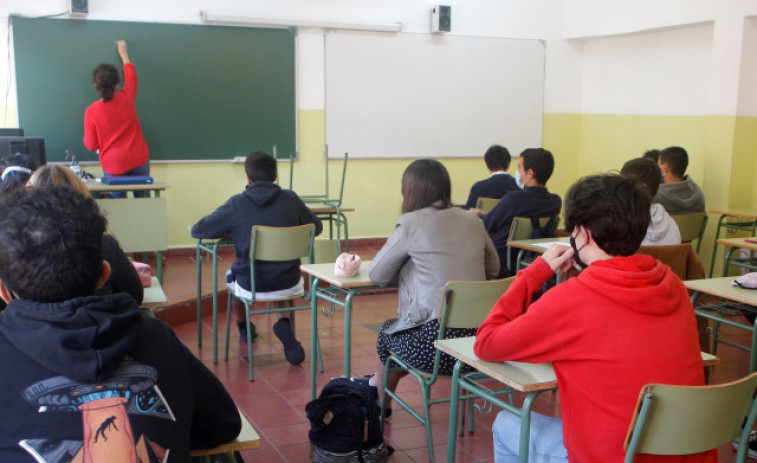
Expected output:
(719, 313)
(532, 378)
(732, 244)
(340, 291)
(153, 296)
(138, 223)
(211, 247)
(737, 219)
(248, 439)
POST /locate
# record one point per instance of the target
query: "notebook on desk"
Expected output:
(127, 180)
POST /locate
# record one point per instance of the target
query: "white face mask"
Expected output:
(517, 180)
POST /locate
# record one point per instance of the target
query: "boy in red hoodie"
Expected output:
(625, 321)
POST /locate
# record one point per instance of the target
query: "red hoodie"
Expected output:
(113, 128)
(622, 323)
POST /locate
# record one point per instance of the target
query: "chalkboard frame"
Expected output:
(205, 92)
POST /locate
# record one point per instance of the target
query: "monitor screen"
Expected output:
(33, 146)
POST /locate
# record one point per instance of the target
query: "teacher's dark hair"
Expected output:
(615, 209)
(425, 182)
(106, 79)
(50, 243)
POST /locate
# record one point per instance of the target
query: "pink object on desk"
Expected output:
(145, 273)
(347, 265)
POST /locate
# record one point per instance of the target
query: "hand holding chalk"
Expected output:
(122, 51)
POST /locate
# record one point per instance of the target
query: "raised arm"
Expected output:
(123, 51)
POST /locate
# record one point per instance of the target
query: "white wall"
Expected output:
(655, 73)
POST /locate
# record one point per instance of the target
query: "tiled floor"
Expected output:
(275, 401)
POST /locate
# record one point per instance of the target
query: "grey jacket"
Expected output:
(680, 197)
(428, 248)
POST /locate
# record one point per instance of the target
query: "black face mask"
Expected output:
(576, 257)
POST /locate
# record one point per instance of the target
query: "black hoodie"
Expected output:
(91, 375)
(262, 203)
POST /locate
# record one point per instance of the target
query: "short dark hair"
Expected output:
(613, 208)
(106, 79)
(424, 182)
(50, 243)
(646, 172)
(654, 155)
(14, 179)
(677, 158)
(497, 158)
(260, 167)
(540, 161)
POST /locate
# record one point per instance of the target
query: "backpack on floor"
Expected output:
(344, 424)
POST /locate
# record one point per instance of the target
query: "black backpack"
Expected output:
(344, 424)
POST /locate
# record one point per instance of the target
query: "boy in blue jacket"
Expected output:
(261, 203)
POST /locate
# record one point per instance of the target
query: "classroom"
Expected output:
(619, 78)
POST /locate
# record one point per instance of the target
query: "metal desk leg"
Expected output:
(715, 243)
(313, 332)
(454, 398)
(348, 331)
(215, 303)
(199, 295)
(727, 260)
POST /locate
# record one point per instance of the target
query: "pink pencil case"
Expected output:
(145, 273)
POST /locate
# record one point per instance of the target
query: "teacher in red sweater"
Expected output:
(111, 126)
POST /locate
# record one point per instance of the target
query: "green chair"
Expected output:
(679, 420)
(273, 244)
(691, 226)
(522, 229)
(486, 204)
(465, 305)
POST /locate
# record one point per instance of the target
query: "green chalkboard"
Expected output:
(205, 92)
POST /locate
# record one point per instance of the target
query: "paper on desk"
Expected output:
(549, 244)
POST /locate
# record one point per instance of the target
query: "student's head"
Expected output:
(51, 244)
(53, 174)
(536, 162)
(653, 155)
(260, 167)
(646, 173)
(497, 158)
(16, 170)
(613, 208)
(674, 160)
(106, 79)
(424, 182)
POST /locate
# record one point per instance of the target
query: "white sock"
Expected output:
(372, 381)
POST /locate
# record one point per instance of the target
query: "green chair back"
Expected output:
(282, 243)
(691, 226)
(467, 303)
(679, 420)
(522, 229)
(486, 204)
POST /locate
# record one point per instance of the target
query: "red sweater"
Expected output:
(622, 323)
(113, 128)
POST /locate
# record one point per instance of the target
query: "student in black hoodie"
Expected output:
(261, 203)
(87, 376)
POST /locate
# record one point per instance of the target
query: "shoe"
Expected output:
(364, 381)
(243, 331)
(751, 447)
(293, 350)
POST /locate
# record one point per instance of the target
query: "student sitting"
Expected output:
(678, 193)
(497, 159)
(535, 167)
(15, 171)
(262, 203)
(87, 378)
(432, 243)
(123, 276)
(662, 229)
(625, 321)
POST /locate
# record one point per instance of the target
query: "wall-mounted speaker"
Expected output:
(441, 18)
(80, 6)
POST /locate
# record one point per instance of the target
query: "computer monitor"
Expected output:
(33, 146)
(11, 132)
